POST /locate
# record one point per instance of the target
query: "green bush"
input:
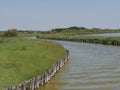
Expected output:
(76, 28)
(10, 33)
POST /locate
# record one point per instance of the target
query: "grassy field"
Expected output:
(21, 59)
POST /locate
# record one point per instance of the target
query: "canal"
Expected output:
(91, 67)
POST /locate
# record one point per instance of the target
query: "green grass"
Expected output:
(21, 59)
(63, 36)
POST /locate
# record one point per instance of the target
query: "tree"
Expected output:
(10, 33)
(77, 28)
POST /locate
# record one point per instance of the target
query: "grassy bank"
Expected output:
(86, 39)
(21, 59)
(62, 36)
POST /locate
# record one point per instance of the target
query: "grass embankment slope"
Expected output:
(21, 59)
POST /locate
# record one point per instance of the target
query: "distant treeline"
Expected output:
(70, 28)
(74, 30)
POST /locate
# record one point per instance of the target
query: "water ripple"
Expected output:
(92, 67)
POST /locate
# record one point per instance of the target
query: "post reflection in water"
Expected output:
(91, 67)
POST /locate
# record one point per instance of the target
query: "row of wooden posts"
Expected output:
(96, 41)
(36, 82)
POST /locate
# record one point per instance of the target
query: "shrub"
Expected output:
(10, 33)
(76, 28)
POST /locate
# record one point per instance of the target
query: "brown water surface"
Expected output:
(91, 67)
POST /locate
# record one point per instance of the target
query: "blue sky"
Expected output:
(48, 14)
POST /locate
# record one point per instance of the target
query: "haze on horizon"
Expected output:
(48, 14)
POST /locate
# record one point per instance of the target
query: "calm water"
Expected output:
(106, 34)
(91, 67)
